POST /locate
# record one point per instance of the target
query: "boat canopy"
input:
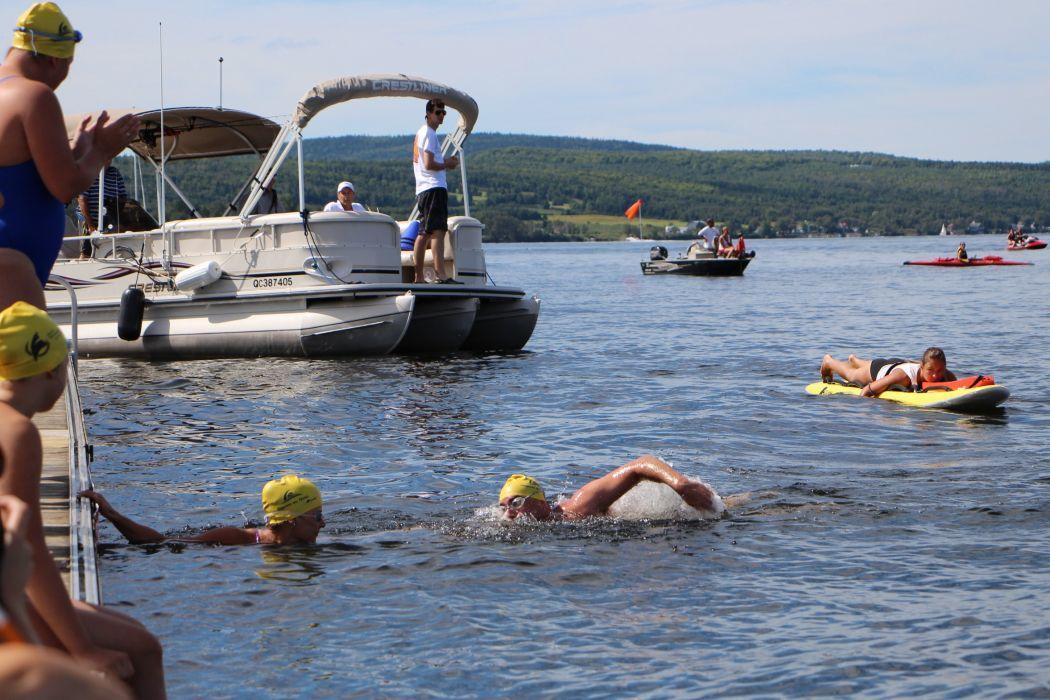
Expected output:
(196, 132)
(333, 92)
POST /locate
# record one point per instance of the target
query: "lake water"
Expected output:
(885, 551)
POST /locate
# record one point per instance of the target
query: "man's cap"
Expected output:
(343, 185)
(289, 497)
(30, 342)
(45, 29)
(521, 485)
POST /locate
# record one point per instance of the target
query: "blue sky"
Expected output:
(953, 80)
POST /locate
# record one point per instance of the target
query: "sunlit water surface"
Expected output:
(885, 551)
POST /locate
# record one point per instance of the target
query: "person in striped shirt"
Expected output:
(114, 196)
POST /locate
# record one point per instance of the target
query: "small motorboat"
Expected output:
(972, 262)
(696, 261)
(1029, 243)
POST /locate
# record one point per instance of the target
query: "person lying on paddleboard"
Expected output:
(293, 516)
(878, 375)
(521, 496)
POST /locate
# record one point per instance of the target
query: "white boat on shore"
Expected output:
(297, 283)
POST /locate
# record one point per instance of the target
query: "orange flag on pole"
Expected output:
(633, 210)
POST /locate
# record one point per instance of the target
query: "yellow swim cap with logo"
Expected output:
(289, 497)
(521, 485)
(45, 29)
(30, 342)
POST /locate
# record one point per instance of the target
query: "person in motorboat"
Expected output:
(429, 167)
(346, 197)
(522, 496)
(724, 243)
(293, 516)
(115, 195)
(878, 375)
(40, 170)
(32, 379)
(960, 253)
(708, 234)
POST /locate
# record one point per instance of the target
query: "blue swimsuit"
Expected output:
(34, 221)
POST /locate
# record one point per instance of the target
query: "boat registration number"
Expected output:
(272, 282)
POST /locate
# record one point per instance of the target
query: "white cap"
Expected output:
(343, 185)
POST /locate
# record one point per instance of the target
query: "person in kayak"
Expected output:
(878, 375)
(293, 516)
(522, 496)
(960, 253)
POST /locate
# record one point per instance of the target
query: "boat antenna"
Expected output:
(160, 190)
(220, 83)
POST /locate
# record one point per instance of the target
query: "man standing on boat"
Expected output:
(431, 193)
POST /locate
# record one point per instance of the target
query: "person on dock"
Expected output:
(521, 496)
(429, 167)
(40, 170)
(878, 375)
(345, 196)
(32, 379)
(293, 516)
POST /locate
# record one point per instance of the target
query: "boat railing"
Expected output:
(83, 561)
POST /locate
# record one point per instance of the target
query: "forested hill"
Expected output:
(546, 188)
(395, 147)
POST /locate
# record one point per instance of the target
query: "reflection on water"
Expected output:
(870, 548)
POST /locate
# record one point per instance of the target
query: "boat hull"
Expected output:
(290, 327)
(439, 324)
(503, 325)
(699, 267)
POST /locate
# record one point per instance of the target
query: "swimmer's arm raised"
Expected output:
(136, 533)
(596, 497)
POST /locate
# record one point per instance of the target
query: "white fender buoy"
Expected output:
(198, 276)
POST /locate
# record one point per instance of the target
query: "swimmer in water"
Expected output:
(521, 496)
(293, 516)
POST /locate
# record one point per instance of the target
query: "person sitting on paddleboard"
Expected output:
(521, 496)
(293, 516)
(878, 375)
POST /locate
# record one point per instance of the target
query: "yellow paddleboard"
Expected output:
(981, 398)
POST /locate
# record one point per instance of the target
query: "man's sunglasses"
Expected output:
(440, 111)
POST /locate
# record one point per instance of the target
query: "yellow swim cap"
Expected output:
(521, 485)
(44, 29)
(289, 497)
(30, 342)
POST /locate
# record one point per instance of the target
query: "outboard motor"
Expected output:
(132, 306)
(658, 252)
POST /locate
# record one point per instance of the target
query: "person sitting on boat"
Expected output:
(32, 379)
(345, 195)
(708, 234)
(724, 243)
(878, 375)
(961, 254)
(522, 496)
(293, 516)
(114, 194)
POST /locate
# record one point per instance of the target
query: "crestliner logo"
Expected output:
(409, 86)
(37, 347)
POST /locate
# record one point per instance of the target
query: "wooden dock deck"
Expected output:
(68, 523)
(54, 483)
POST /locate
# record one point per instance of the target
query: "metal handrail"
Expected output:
(83, 555)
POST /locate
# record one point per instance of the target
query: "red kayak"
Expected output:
(1032, 244)
(972, 262)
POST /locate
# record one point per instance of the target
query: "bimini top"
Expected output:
(333, 92)
(197, 132)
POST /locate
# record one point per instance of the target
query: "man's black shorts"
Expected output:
(433, 209)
